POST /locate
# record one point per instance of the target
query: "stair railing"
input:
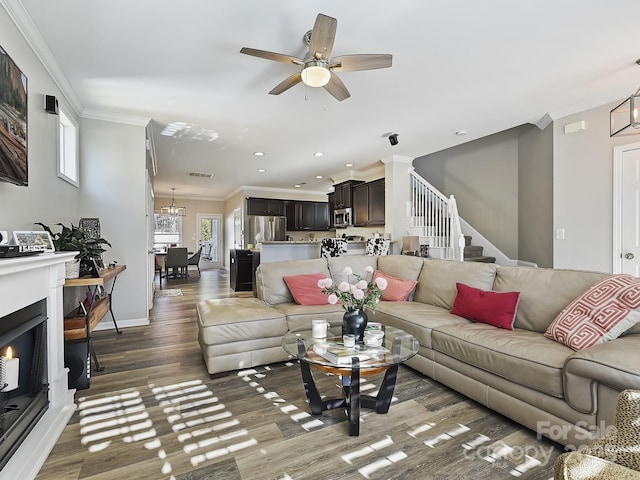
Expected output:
(436, 218)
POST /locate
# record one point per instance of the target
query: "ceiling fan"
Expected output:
(318, 68)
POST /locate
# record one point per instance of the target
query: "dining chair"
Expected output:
(177, 261)
(195, 259)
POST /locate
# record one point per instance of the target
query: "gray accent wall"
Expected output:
(535, 195)
(483, 177)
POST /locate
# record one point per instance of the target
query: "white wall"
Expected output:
(113, 181)
(47, 199)
(583, 191)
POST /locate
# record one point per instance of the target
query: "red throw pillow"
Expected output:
(304, 289)
(398, 289)
(602, 313)
(486, 306)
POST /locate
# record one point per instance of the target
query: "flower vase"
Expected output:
(355, 321)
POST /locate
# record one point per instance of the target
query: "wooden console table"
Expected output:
(77, 324)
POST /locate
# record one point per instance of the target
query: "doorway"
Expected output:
(210, 239)
(626, 209)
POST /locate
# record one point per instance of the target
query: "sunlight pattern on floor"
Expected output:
(201, 422)
(122, 416)
(294, 413)
(378, 463)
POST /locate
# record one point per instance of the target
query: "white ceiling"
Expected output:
(468, 65)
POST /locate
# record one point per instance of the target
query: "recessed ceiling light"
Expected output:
(261, 170)
(348, 164)
(318, 177)
(297, 185)
(318, 154)
(258, 154)
(461, 132)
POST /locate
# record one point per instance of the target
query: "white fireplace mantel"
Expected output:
(23, 281)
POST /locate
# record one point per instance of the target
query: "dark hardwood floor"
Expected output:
(154, 413)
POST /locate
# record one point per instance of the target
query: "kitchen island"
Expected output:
(276, 251)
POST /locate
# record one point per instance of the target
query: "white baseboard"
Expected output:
(107, 324)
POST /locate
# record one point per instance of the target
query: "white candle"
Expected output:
(318, 328)
(12, 371)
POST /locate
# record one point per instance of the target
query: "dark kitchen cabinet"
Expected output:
(265, 206)
(241, 270)
(307, 215)
(332, 206)
(376, 202)
(368, 204)
(344, 193)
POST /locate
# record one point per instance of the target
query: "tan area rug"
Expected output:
(169, 292)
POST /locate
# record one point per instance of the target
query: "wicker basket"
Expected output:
(72, 268)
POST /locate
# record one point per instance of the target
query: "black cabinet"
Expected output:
(376, 202)
(241, 270)
(307, 215)
(344, 193)
(332, 206)
(369, 204)
(265, 206)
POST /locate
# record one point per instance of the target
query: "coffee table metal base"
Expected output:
(352, 400)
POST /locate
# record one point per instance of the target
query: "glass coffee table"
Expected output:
(329, 355)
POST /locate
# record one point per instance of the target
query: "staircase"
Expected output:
(434, 219)
(472, 253)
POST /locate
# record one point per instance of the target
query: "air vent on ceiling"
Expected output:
(204, 175)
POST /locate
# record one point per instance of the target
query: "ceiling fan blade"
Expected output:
(286, 84)
(276, 57)
(322, 36)
(336, 88)
(354, 63)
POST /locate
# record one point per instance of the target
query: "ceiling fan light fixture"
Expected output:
(315, 74)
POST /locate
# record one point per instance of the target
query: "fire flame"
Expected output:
(9, 353)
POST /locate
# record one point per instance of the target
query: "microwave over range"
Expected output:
(342, 218)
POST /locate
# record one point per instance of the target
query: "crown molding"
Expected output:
(398, 158)
(377, 169)
(296, 191)
(115, 117)
(18, 14)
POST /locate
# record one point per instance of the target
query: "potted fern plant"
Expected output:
(73, 239)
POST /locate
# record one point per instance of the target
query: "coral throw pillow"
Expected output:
(304, 289)
(398, 289)
(486, 306)
(601, 314)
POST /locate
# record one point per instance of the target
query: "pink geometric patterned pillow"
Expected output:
(601, 314)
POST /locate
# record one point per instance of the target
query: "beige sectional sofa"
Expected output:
(562, 394)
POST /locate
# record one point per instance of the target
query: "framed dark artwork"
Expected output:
(13, 122)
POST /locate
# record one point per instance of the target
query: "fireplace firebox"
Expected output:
(24, 385)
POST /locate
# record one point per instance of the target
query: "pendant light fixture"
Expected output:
(625, 118)
(173, 209)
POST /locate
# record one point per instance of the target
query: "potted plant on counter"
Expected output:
(73, 239)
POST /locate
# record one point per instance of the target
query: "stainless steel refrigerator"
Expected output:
(258, 229)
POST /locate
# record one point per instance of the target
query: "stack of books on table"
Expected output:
(340, 355)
